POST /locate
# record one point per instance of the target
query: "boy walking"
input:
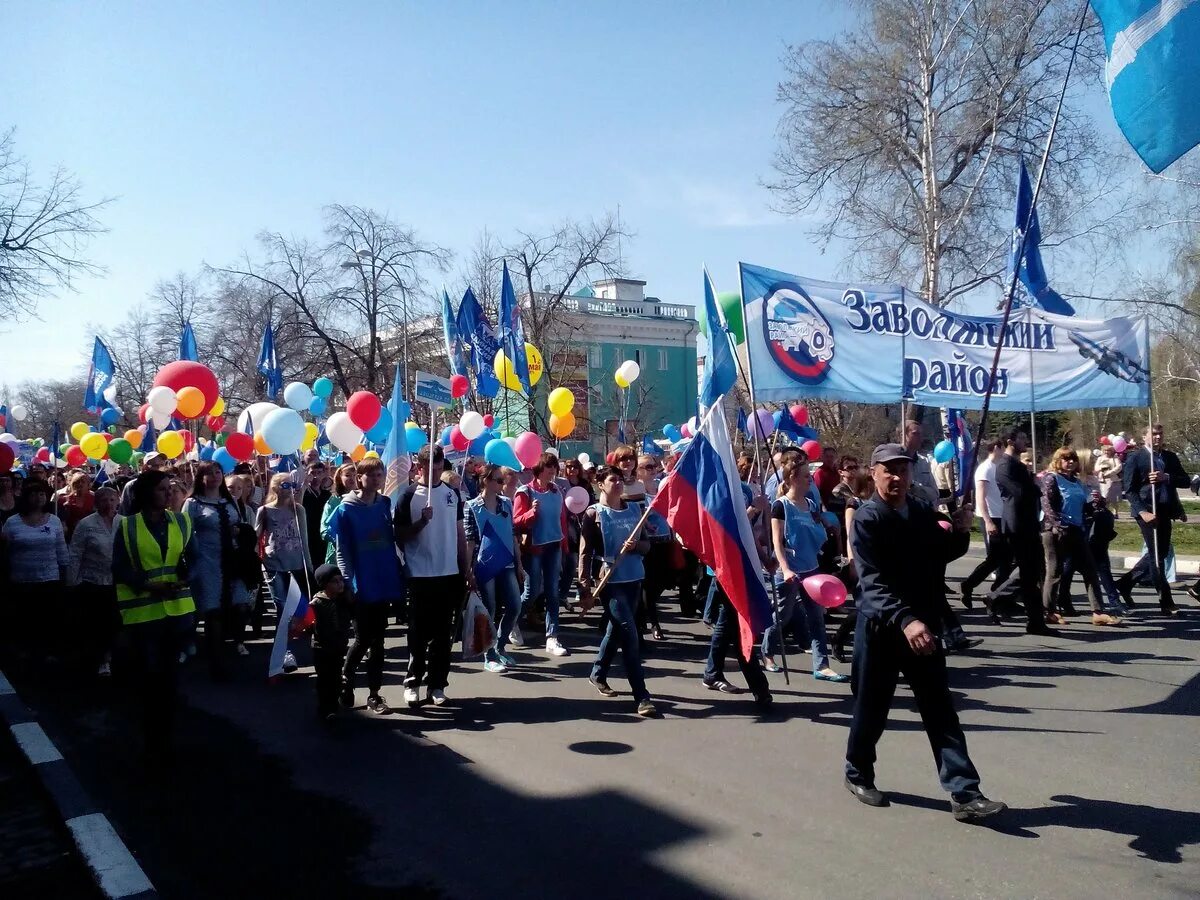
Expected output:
(330, 636)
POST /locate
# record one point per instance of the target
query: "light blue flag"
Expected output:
(100, 376)
(395, 457)
(1153, 74)
(476, 332)
(1030, 271)
(720, 370)
(268, 363)
(454, 349)
(187, 344)
(512, 332)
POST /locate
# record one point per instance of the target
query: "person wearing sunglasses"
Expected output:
(659, 563)
(540, 513)
(491, 540)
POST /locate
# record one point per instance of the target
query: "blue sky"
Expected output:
(209, 122)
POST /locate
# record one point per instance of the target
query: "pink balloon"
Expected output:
(528, 448)
(812, 450)
(800, 414)
(946, 526)
(686, 430)
(825, 590)
(1120, 445)
(577, 500)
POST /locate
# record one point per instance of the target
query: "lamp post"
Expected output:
(361, 257)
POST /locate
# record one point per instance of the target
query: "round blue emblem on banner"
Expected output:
(798, 336)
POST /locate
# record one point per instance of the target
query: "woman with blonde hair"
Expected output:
(1066, 516)
(283, 535)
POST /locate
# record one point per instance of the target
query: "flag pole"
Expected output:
(1020, 255)
(432, 432)
(1159, 569)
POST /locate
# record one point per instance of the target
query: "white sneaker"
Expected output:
(289, 662)
(554, 648)
(105, 670)
(438, 696)
(494, 665)
(243, 650)
(515, 637)
(410, 696)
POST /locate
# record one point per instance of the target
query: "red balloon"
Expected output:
(800, 414)
(459, 386)
(143, 412)
(812, 450)
(363, 408)
(240, 446)
(458, 440)
(108, 437)
(43, 455)
(189, 441)
(185, 373)
(3, 420)
(75, 456)
(489, 421)
(216, 423)
(7, 457)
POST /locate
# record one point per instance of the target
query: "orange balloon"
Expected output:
(358, 453)
(189, 402)
(561, 426)
(134, 437)
(260, 444)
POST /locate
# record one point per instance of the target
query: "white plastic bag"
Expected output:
(478, 634)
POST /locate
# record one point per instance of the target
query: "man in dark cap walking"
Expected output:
(901, 547)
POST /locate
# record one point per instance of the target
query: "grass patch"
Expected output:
(1185, 536)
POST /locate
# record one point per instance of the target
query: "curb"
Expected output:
(115, 871)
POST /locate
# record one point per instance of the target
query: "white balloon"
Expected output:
(471, 425)
(162, 399)
(298, 395)
(584, 459)
(8, 438)
(19, 412)
(343, 433)
(110, 394)
(159, 420)
(629, 370)
(255, 413)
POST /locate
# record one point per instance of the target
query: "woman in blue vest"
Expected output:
(797, 536)
(491, 544)
(539, 512)
(610, 527)
(150, 572)
(1065, 517)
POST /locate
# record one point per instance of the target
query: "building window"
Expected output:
(637, 357)
(662, 360)
(596, 356)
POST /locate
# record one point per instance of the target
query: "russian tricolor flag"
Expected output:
(702, 501)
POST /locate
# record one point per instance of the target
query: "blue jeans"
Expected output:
(542, 572)
(621, 601)
(504, 589)
(811, 622)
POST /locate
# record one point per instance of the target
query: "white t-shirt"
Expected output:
(433, 553)
(986, 472)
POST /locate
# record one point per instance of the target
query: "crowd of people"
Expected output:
(183, 560)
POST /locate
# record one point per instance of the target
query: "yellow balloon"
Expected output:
(170, 444)
(620, 380)
(503, 368)
(78, 430)
(561, 426)
(311, 433)
(370, 454)
(93, 445)
(134, 437)
(218, 407)
(358, 453)
(561, 401)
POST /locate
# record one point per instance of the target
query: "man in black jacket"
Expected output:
(901, 547)
(1152, 486)
(1020, 526)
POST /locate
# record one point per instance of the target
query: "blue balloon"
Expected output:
(322, 388)
(444, 437)
(672, 433)
(207, 452)
(415, 439)
(283, 430)
(224, 459)
(380, 430)
(479, 445)
(943, 452)
(110, 416)
(499, 453)
(317, 405)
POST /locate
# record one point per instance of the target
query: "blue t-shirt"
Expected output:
(1073, 499)
(547, 524)
(616, 527)
(478, 516)
(802, 533)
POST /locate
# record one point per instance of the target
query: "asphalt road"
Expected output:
(532, 785)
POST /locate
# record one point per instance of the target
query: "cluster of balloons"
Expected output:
(504, 370)
(1118, 441)
(562, 420)
(182, 390)
(627, 373)
(301, 398)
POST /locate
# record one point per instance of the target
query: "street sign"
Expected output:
(433, 390)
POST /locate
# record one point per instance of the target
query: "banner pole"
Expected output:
(1032, 393)
(1016, 268)
(1159, 570)
(432, 432)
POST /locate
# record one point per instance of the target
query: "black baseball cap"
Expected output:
(886, 453)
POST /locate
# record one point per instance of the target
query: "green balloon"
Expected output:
(36, 443)
(111, 429)
(63, 448)
(731, 305)
(136, 459)
(120, 451)
(219, 438)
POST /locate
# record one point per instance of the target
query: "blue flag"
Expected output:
(964, 446)
(1030, 271)
(100, 377)
(494, 555)
(268, 363)
(454, 347)
(395, 457)
(649, 447)
(187, 344)
(512, 332)
(720, 371)
(475, 331)
(55, 440)
(1153, 74)
(150, 438)
(742, 424)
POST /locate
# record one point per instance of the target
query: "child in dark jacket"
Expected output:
(331, 607)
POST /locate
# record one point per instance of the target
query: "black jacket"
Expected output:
(1021, 495)
(902, 562)
(1137, 483)
(331, 630)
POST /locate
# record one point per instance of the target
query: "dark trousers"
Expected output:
(881, 655)
(1149, 569)
(156, 647)
(328, 663)
(687, 583)
(620, 601)
(1069, 546)
(1030, 560)
(727, 633)
(998, 560)
(432, 603)
(370, 627)
(99, 620)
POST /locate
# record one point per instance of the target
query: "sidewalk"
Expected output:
(1121, 559)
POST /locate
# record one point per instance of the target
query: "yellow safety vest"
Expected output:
(138, 606)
